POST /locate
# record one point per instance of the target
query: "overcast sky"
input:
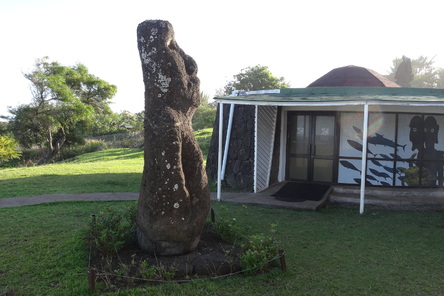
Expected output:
(300, 40)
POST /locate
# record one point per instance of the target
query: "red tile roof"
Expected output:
(353, 76)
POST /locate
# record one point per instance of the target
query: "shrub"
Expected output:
(88, 147)
(227, 228)
(8, 149)
(110, 231)
(259, 251)
(123, 140)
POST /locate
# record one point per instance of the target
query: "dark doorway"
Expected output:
(311, 147)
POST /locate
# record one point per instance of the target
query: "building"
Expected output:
(352, 126)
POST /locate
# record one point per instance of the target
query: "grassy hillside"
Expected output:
(110, 170)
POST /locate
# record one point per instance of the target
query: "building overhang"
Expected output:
(338, 96)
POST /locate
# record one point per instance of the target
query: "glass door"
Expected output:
(311, 147)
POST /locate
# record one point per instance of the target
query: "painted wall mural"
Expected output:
(403, 149)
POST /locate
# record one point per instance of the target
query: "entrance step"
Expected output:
(265, 198)
(389, 197)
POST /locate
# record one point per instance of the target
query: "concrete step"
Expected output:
(392, 198)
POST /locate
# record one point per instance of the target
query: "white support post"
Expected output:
(219, 154)
(256, 110)
(364, 158)
(227, 141)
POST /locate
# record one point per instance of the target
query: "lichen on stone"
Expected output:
(163, 82)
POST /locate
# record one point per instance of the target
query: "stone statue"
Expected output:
(174, 198)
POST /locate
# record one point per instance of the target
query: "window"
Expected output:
(402, 149)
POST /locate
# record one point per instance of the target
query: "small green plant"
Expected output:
(226, 227)
(147, 271)
(156, 272)
(165, 273)
(109, 231)
(259, 251)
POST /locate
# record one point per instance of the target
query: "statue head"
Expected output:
(169, 74)
(416, 131)
(431, 129)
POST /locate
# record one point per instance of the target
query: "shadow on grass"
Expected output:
(88, 183)
(108, 155)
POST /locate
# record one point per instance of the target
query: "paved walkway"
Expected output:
(243, 198)
(262, 198)
(424, 199)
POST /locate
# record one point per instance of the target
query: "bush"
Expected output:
(88, 147)
(227, 228)
(8, 149)
(30, 157)
(123, 140)
(110, 231)
(259, 251)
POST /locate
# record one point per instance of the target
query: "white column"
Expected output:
(364, 158)
(227, 141)
(219, 154)
(256, 109)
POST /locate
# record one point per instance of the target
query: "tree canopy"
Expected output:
(425, 73)
(254, 78)
(65, 101)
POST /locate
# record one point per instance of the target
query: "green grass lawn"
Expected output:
(203, 138)
(112, 170)
(334, 251)
(330, 252)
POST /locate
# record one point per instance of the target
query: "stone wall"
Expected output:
(239, 173)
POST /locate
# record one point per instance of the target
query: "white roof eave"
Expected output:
(333, 103)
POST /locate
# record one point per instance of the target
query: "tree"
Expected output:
(112, 123)
(205, 114)
(255, 78)
(64, 102)
(8, 149)
(3, 127)
(425, 74)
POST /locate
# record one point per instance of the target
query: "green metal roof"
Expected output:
(338, 95)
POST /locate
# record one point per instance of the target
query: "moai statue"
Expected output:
(404, 73)
(174, 198)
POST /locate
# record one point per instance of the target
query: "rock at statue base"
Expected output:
(174, 198)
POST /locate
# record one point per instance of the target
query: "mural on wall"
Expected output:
(406, 156)
(425, 164)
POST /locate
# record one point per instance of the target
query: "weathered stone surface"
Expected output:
(239, 173)
(174, 198)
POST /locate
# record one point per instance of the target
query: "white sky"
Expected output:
(300, 40)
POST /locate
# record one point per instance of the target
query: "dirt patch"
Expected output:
(131, 267)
